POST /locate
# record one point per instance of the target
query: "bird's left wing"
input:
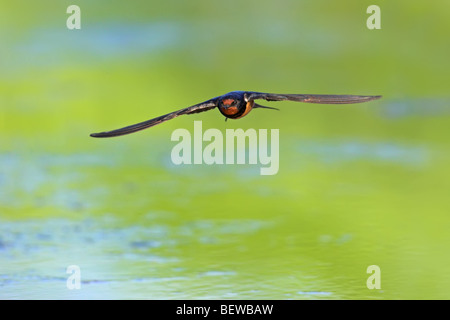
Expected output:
(311, 98)
(201, 107)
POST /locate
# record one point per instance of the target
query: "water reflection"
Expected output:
(333, 151)
(35, 253)
(419, 107)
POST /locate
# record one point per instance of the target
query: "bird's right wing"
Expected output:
(201, 107)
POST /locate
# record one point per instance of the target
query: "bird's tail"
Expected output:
(260, 106)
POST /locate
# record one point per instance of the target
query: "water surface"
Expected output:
(358, 185)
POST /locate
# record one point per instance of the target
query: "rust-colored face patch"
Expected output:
(229, 111)
(227, 102)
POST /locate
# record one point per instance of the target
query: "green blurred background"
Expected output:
(358, 185)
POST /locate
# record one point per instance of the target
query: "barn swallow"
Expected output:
(235, 105)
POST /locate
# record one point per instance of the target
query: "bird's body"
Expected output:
(232, 106)
(235, 105)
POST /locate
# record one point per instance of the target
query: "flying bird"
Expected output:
(235, 105)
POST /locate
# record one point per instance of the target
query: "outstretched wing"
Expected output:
(204, 106)
(311, 98)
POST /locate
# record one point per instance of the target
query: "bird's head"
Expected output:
(232, 105)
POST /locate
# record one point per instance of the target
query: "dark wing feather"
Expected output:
(311, 98)
(201, 107)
